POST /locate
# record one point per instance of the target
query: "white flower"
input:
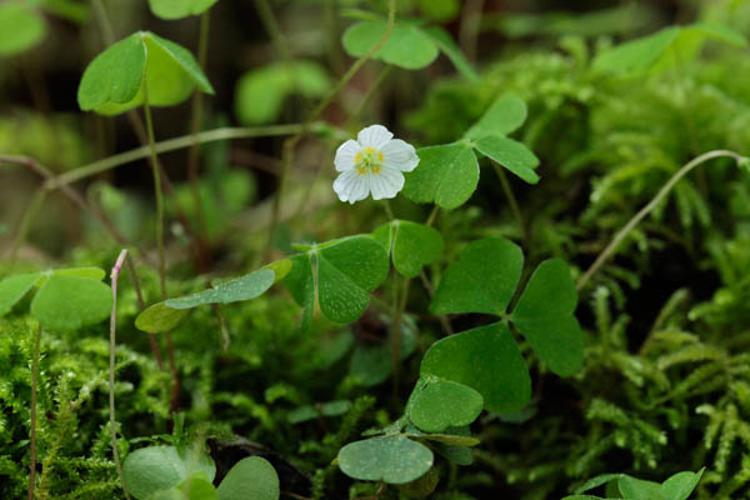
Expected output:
(373, 164)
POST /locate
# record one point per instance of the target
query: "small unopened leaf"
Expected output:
(504, 116)
(241, 289)
(21, 27)
(447, 175)
(391, 459)
(156, 468)
(177, 9)
(482, 280)
(159, 318)
(544, 315)
(66, 303)
(13, 289)
(252, 477)
(510, 154)
(439, 404)
(407, 46)
(412, 246)
(486, 359)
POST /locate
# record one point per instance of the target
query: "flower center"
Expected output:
(368, 160)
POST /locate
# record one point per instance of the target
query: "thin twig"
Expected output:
(114, 276)
(643, 212)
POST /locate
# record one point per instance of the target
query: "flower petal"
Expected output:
(345, 154)
(400, 155)
(375, 136)
(352, 187)
(386, 184)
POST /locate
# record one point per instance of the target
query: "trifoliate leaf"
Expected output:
(504, 116)
(159, 318)
(448, 46)
(411, 246)
(241, 289)
(66, 303)
(261, 92)
(544, 315)
(139, 66)
(13, 289)
(195, 487)
(21, 27)
(177, 9)
(447, 176)
(438, 404)
(391, 459)
(156, 468)
(343, 272)
(482, 280)
(407, 46)
(511, 155)
(486, 359)
(251, 477)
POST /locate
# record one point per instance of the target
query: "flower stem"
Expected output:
(400, 300)
(610, 250)
(36, 355)
(156, 173)
(114, 277)
(511, 201)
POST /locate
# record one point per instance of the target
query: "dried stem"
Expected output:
(114, 277)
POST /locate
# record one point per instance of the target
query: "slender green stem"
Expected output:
(156, 173)
(433, 215)
(291, 143)
(155, 349)
(114, 277)
(177, 143)
(511, 200)
(35, 357)
(469, 29)
(37, 201)
(400, 300)
(365, 101)
(196, 124)
(610, 250)
(388, 209)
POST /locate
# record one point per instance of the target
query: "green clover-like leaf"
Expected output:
(159, 318)
(66, 303)
(177, 9)
(13, 289)
(140, 66)
(482, 280)
(510, 154)
(240, 289)
(544, 315)
(435, 405)
(486, 359)
(407, 46)
(251, 477)
(447, 175)
(21, 27)
(391, 459)
(261, 92)
(411, 246)
(504, 116)
(149, 470)
(343, 272)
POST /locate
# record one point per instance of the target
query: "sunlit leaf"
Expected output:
(504, 116)
(139, 66)
(482, 280)
(411, 246)
(486, 359)
(510, 154)
(391, 459)
(447, 175)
